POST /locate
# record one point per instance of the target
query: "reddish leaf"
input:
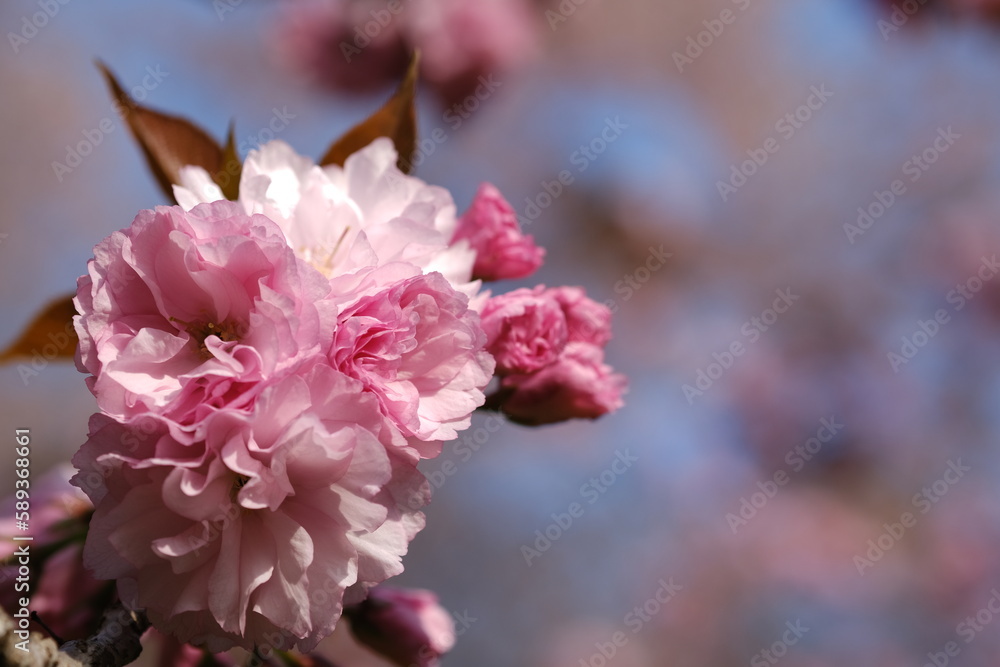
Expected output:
(50, 334)
(228, 177)
(168, 142)
(396, 119)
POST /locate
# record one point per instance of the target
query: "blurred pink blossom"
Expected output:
(328, 41)
(65, 596)
(363, 45)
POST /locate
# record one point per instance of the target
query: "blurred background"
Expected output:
(791, 205)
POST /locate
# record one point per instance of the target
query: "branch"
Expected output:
(116, 644)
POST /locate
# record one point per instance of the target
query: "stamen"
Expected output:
(323, 262)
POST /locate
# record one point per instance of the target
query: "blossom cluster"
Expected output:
(269, 372)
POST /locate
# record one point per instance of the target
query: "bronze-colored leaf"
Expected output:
(168, 142)
(397, 120)
(228, 177)
(50, 335)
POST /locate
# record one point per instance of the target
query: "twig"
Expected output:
(116, 644)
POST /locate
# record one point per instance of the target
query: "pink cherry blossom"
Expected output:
(413, 341)
(258, 534)
(184, 313)
(491, 228)
(578, 385)
(586, 320)
(526, 330)
(339, 220)
(408, 626)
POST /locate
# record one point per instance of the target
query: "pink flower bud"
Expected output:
(408, 626)
(491, 228)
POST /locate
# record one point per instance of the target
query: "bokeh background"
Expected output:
(760, 520)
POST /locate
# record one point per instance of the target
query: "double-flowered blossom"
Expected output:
(187, 312)
(261, 532)
(399, 283)
(365, 214)
(526, 329)
(417, 346)
(549, 349)
(269, 371)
